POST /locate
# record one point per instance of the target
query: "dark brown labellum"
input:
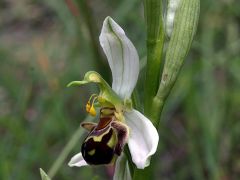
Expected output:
(98, 152)
(105, 140)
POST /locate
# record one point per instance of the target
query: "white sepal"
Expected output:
(122, 58)
(77, 160)
(143, 138)
(122, 170)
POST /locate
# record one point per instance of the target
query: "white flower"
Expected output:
(124, 63)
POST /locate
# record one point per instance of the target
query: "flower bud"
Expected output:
(184, 28)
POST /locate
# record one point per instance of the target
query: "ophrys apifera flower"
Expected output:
(119, 123)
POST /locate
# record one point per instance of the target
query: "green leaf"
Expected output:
(44, 176)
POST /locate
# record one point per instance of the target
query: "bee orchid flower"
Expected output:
(119, 123)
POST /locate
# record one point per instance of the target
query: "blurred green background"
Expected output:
(46, 44)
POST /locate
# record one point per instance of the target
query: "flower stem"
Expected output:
(155, 42)
(185, 25)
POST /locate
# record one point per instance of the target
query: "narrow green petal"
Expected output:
(77, 83)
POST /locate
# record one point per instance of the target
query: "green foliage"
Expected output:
(41, 53)
(44, 176)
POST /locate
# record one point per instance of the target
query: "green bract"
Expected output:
(184, 29)
(180, 26)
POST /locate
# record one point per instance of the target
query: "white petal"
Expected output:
(122, 58)
(122, 170)
(143, 138)
(77, 160)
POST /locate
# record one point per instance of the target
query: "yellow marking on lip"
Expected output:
(97, 138)
(112, 141)
(92, 152)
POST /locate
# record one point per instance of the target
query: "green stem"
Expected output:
(147, 173)
(132, 166)
(185, 25)
(66, 151)
(156, 111)
(155, 42)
